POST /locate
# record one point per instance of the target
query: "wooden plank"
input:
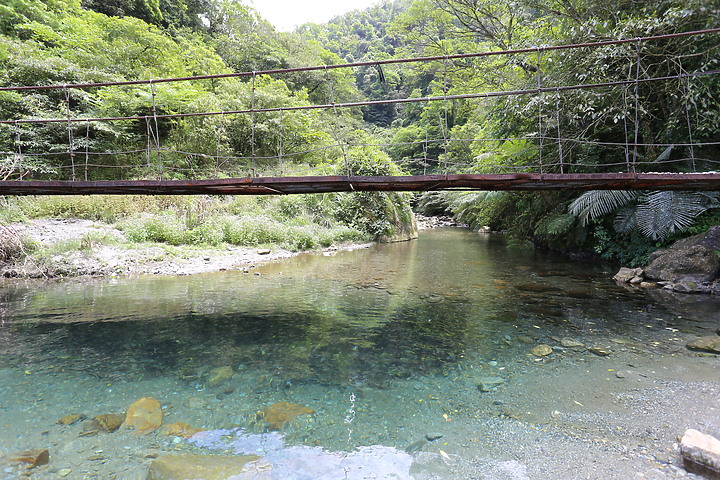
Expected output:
(322, 184)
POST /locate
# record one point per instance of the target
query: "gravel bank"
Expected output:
(79, 254)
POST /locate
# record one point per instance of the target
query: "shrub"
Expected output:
(166, 227)
(253, 230)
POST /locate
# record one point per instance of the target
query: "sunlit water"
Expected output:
(386, 345)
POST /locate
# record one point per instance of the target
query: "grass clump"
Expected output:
(166, 227)
(246, 230)
(253, 230)
(13, 246)
(295, 222)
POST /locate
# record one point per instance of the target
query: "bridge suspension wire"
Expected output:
(466, 96)
(368, 63)
(280, 147)
(541, 134)
(559, 137)
(252, 125)
(156, 133)
(71, 147)
(339, 133)
(543, 141)
(87, 148)
(686, 96)
(445, 124)
(636, 91)
(17, 157)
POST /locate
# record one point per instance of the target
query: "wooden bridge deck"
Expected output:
(321, 184)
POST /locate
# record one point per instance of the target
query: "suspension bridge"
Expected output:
(552, 165)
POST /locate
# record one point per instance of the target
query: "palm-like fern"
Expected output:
(597, 203)
(655, 214)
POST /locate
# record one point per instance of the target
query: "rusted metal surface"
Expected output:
(294, 185)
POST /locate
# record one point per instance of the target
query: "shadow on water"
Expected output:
(294, 346)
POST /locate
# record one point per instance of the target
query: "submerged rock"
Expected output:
(310, 463)
(488, 384)
(33, 458)
(416, 446)
(571, 343)
(180, 429)
(145, 416)
(542, 350)
(711, 344)
(209, 467)
(280, 413)
(219, 375)
(599, 351)
(108, 422)
(701, 453)
(537, 288)
(71, 418)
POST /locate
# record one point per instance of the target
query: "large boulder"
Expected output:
(687, 264)
(701, 453)
(709, 239)
(692, 259)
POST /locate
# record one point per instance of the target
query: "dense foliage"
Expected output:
(73, 41)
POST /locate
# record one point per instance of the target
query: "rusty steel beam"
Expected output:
(322, 184)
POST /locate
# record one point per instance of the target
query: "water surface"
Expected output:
(387, 345)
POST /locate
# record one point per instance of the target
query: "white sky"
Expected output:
(286, 14)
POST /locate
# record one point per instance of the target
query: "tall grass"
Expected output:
(295, 222)
(247, 230)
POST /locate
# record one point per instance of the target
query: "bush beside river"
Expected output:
(109, 235)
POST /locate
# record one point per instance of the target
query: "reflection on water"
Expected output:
(384, 324)
(393, 311)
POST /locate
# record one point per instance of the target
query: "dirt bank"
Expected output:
(69, 248)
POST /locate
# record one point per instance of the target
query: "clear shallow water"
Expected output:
(387, 346)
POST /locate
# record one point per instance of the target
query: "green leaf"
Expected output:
(663, 213)
(597, 203)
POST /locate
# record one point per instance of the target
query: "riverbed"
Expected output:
(450, 357)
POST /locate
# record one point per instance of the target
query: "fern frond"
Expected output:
(625, 220)
(556, 224)
(661, 214)
(596, 203)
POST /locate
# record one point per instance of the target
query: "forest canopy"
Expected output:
(674, 123)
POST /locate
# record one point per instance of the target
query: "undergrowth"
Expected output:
(298, 222)
(247, 230)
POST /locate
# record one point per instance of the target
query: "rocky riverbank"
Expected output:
(425, 223)
(71, 248)
(690, 265)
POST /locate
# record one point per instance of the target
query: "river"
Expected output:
(450, 357)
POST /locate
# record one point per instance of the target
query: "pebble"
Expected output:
(108, 422)
(34, 457)
(599, 351)
(571, 343)
(542, 350)
(220, 375)
(709, 343)
(489, 384)
(71, 418)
